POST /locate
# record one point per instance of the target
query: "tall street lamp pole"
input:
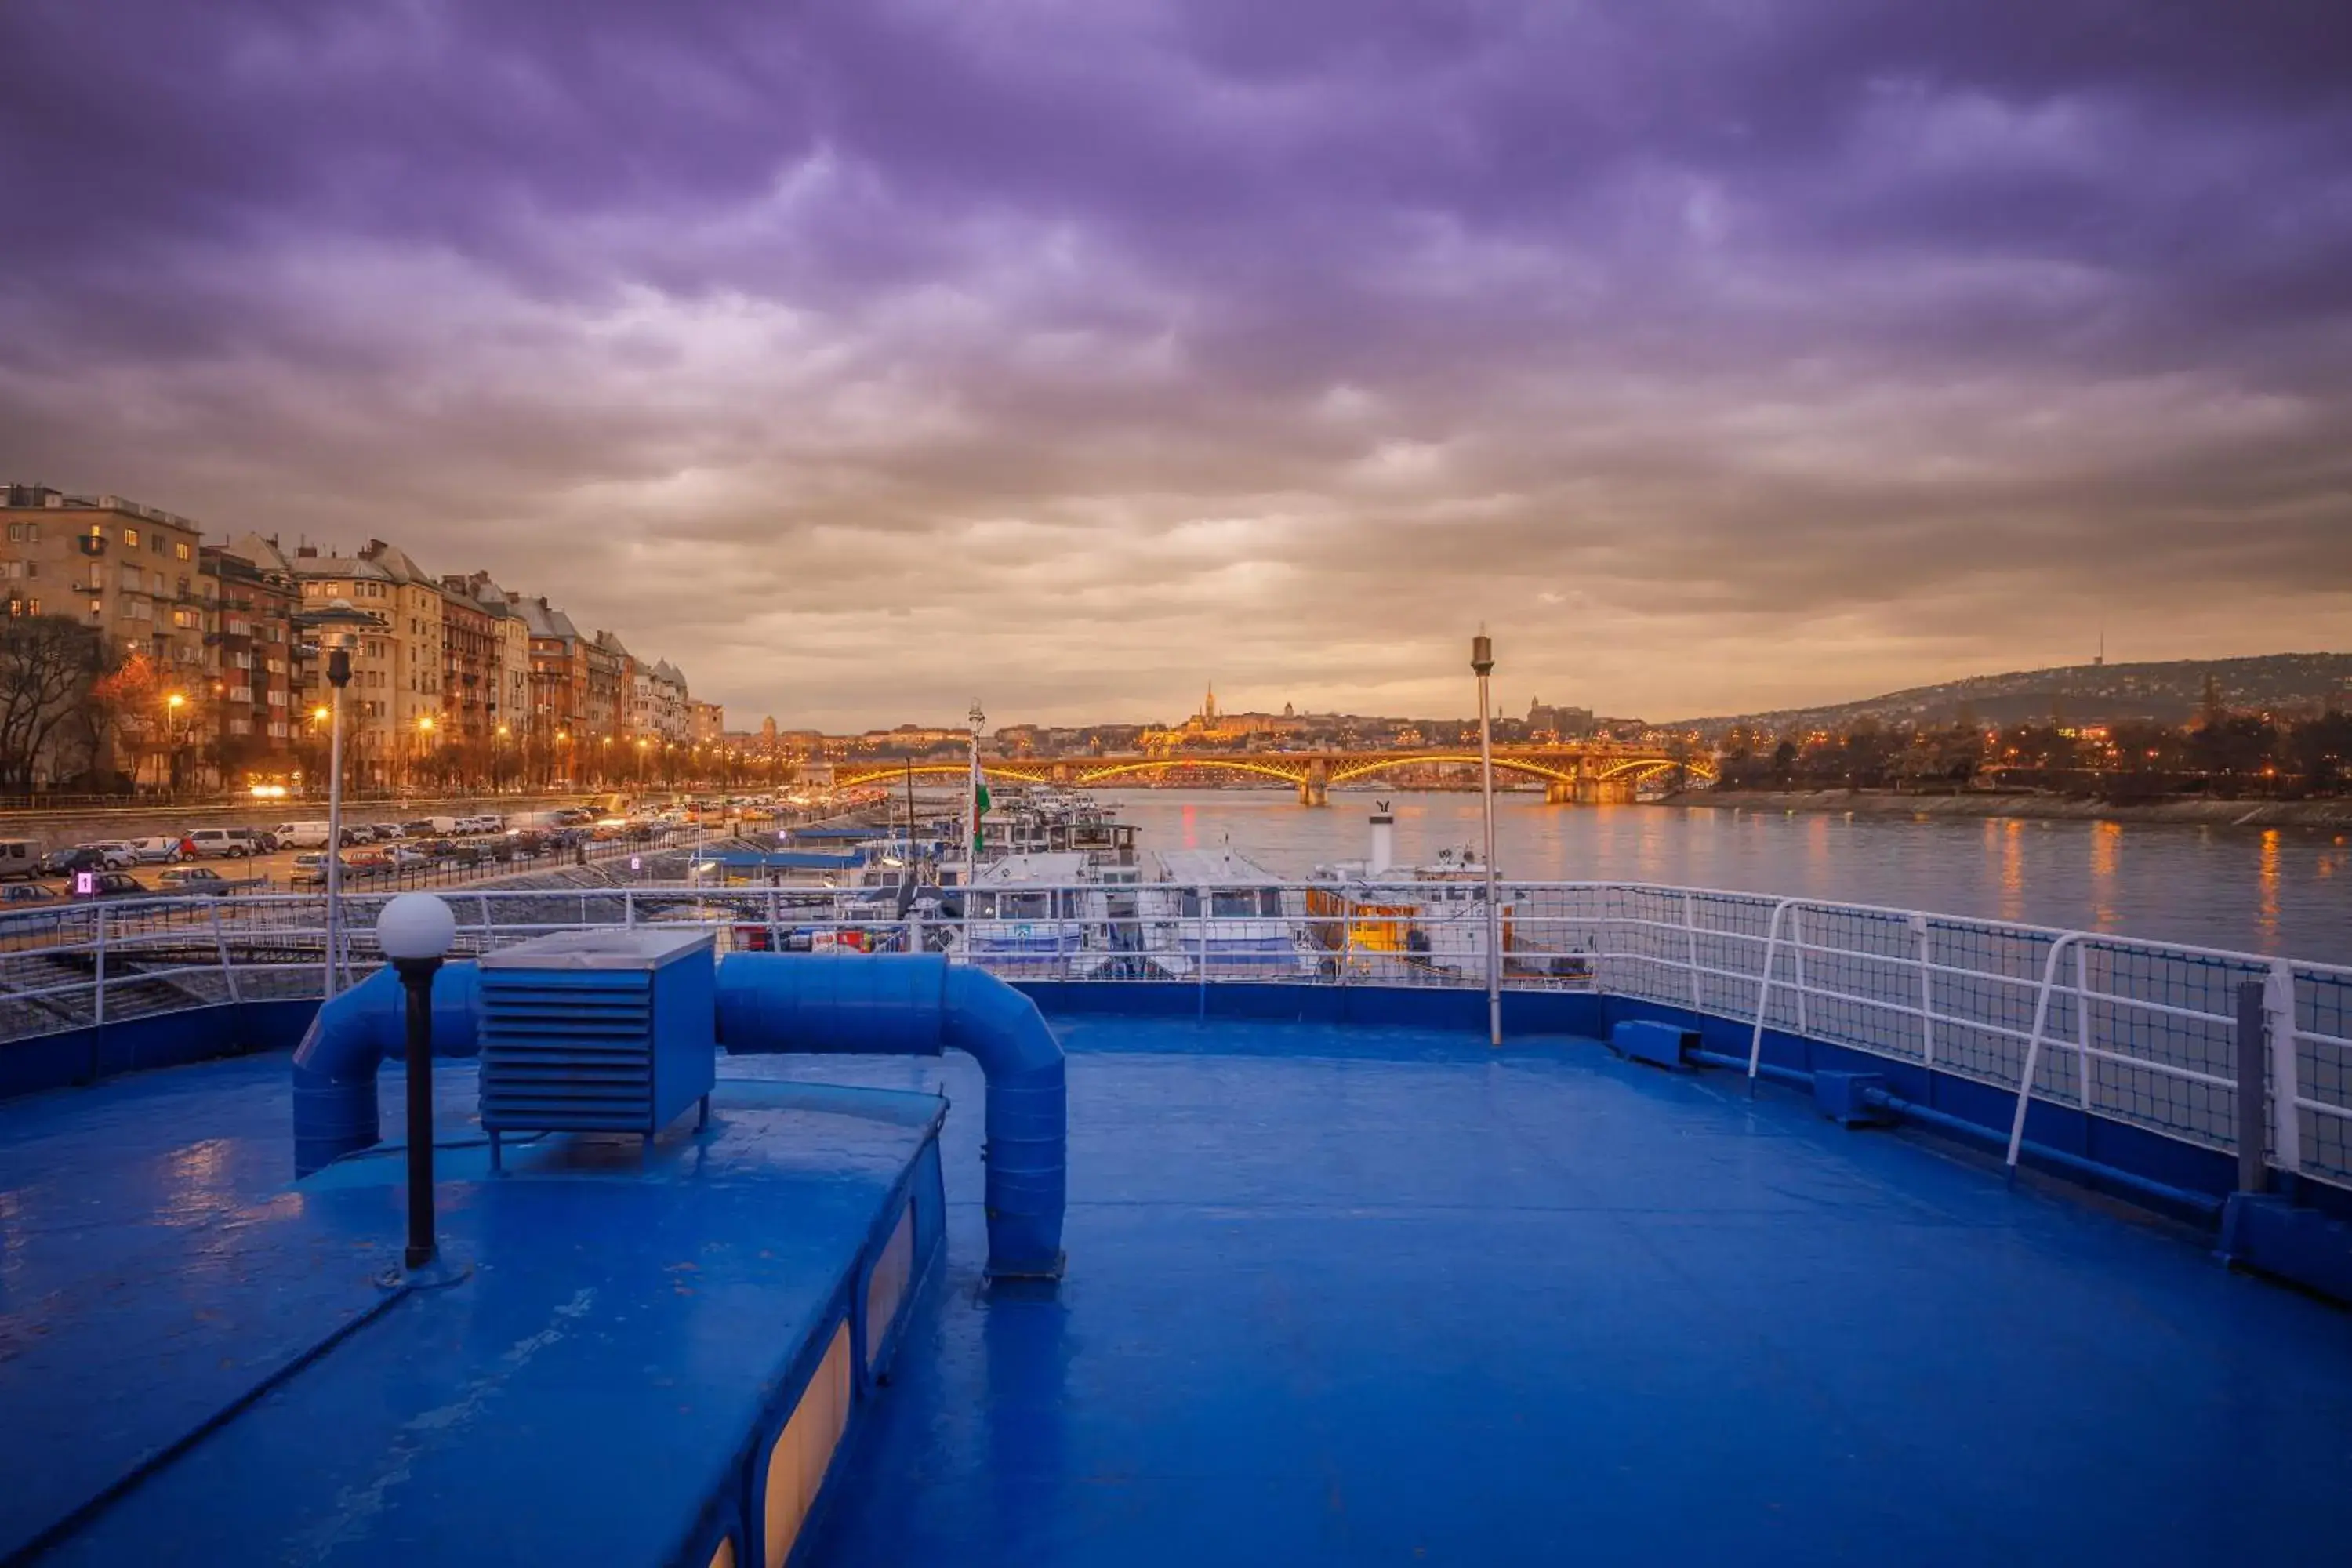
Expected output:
(1482, 662)
(335, 624)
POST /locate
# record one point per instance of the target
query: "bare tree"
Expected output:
(46, 666)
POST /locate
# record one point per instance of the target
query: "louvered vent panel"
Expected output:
(570, 1052)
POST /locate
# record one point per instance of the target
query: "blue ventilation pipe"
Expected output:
(335, 1111)
(920, 1004)
(767, 1004)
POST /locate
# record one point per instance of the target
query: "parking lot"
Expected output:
(421, 860)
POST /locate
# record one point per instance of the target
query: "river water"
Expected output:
(2281, 891)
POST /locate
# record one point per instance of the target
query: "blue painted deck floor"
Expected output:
(1351, 1296)
(628, 1317)
(1334, 1296)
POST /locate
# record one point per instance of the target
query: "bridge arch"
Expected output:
(1160, 764)
(1513, 764)
(1639, 768)
(849, 780)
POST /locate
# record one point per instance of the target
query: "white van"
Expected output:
(300, 835)
(446, 825)
(19, 858)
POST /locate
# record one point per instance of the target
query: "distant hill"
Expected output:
(2290, 684)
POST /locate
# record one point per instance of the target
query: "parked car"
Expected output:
(389, 832)
(125, 857)
(421, 827)
(114, 885)
(400, 856)
(357, 833)
(19, 858)
(224, 843)
(87, 858)
(264, 842)
(310, 868)
(204, 879)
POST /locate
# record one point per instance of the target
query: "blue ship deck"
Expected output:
(1344, 1295)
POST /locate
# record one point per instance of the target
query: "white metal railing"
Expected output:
(2137, 1032)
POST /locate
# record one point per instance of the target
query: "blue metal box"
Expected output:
(1648, 1040)
(1845, 1097)
(597, 1031)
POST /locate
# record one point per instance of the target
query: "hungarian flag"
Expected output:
(979, 804)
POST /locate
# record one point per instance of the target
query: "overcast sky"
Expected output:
(866, 356)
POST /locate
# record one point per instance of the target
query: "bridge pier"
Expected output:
(1559, 792)
(1604, 792)
(1062, 774)
(1315, 789)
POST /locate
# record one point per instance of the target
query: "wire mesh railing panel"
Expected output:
(2156, 1036)
(1984, 983)
(2322, 1060)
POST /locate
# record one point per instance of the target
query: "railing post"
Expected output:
(1796, 953)
(2286, 1071)
(2254, 1110)
(2033, 1047)
(1690, 946)
(1347, 934)
(1764, 991)
(628, 909)
(483, 901)
(2082, 1030)
(1926, 992)
(1201, 955)
(220, 943)
(98, 998)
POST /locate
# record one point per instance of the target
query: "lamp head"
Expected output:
(415, 926)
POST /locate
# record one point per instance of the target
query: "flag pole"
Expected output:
(972, 797)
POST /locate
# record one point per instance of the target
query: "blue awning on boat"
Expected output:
(780, 860)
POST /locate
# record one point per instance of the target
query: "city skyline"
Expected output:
(879, 357)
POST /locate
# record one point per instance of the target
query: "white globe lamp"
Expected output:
(415, 927)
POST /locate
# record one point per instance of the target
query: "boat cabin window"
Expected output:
(1242, 903)
(1021, 906)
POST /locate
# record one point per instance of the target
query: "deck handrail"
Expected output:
(2130, 1029)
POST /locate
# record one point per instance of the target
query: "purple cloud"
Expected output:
(1718, 355)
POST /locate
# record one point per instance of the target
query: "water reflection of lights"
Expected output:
(2107, 853)
(2266, 881)
(2012, 870)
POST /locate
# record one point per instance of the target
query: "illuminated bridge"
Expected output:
(1584, 773)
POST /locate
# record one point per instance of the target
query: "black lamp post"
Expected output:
(415, 932)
